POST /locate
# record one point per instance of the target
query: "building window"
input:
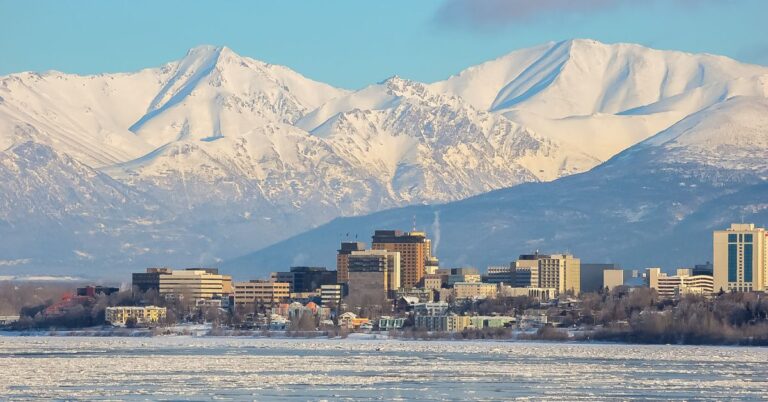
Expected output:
(732, 238)
(733, 256)
(748, 263)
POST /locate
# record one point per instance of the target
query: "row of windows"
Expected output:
(734, 238)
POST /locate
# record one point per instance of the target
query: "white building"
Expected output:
(683, 283)
(740, 258)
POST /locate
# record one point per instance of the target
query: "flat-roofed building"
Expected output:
(591, 276)
(613, 278)
(389, 260)
(740, 260)
(683, 283)
(331, 295)
(260, 291)
(149, 280)
(415, 253)
(144, 315)
(369, 278)
(474, 290)
(342, 259)
(442, 323)
(556, 271)
(193, 283)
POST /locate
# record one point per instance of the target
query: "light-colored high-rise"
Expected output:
(740, 258)
(558, 271)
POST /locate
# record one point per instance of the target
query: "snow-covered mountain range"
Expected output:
(209, 157)
(654, 204)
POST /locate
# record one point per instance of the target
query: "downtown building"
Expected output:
(740, 260)
(190, 283)
(415, 253)
(374, 275)
(561, 272)
(261, 292)
(683, 283)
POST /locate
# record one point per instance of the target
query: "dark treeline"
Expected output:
(638, 316)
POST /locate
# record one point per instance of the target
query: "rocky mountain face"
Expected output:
(206, 158)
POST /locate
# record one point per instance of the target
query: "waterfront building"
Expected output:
(684, 282)
(145, 315)
(388, 259)
(415, 253)
(442, 323)
(260, 291)
(740, 259)
(387, 323)
(496, 321)
(474, 290)
(342, 259)
(432, 308)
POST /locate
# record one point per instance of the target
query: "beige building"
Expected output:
(415, 253)
(259, 291)
(542, 294)
(740, 258)
(145, 315)
(561, 272)
(433, 281)
(443, 323)
(683, 283)
(613, 278)
(474, 290)
(193, 283)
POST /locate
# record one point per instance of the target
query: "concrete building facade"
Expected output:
(342, 259)
(740, 259)
(258, 291)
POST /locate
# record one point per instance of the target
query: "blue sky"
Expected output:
(354, 43)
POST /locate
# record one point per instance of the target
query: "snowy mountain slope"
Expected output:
(112, 118)
(221, 153)
(655, 203)
(602, 98)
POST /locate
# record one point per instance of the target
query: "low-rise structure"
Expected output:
(442, 323)
(143, 315)
(670, 287)
(260, 291)
(474, 290)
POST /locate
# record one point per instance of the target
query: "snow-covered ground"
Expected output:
(190, 368)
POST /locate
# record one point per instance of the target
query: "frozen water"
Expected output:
(190, 368)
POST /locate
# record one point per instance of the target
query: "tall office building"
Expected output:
(386, 260)
(415, 253)
(369, 279)
(740, 258)
(342, 259)
(149, 280)
(561, 272)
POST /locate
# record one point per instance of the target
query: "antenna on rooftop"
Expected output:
(414, 223)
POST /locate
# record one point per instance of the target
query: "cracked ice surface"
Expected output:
(189, 368)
